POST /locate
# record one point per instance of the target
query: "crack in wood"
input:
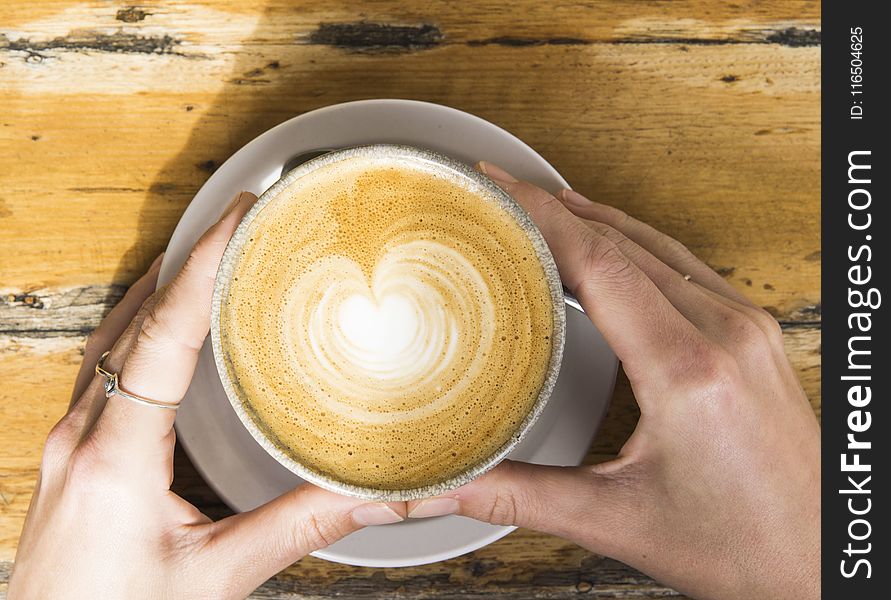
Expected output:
(800, 325)
(795, 37)
(131, 14)
(800, 315)
(104, 190)
(8, 335)
(89, 40)
(790, 36)
(519, 42)
(368, 37)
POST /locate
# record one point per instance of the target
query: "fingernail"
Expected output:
(232, 205)
(574, 198)
(496, 172)
(434, 507)
(375, 514)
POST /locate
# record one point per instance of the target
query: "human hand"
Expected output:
(717, 492)
(103, 522)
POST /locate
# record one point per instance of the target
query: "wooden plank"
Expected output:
(569, 22)
(621, 125)
(57, 312)
(685, 173)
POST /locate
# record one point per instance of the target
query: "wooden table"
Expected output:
(701, 117)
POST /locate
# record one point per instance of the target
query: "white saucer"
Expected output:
(226, 455)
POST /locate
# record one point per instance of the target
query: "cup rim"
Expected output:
(444, 164)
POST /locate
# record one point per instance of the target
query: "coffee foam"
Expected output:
(386, 325)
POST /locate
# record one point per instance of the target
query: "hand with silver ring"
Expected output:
(103, 522)
(112, 387)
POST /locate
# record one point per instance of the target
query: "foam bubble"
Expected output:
(387, 325)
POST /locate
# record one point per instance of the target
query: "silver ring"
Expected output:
(112, 387)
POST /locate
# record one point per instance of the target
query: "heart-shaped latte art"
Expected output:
(389, 351)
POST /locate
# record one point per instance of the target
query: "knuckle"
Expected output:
(619, 218)
(315, 532)
(545, 202)
(204, 256)
(612, 234)
(161, 325)
(58, 445)
(148, 304)
(154, 328)
(95, 341)
(604, 259)
(151, 327)
(708, 368)
(770, 325)
(148, 338)
(626, 245)
(539, 204)
(749, 338)
(145, 309)
(503, 510)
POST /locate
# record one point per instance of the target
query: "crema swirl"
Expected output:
(386, 325)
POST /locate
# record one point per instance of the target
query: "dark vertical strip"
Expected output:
(856, 263)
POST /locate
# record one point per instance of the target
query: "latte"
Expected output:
(386, 325)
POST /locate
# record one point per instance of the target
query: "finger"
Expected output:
(163, 357)
(747, 325)
(113, 325)
(122, 447)
(75, 426)
(85, 412)
(664, 247)
(549, 499)
(638, 321)
(707, 310)
(258, 544)
(728, 323)
(709, 302)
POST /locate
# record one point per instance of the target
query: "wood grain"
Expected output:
(700, 117)
(529, 564)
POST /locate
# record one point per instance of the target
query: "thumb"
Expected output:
(262, 542)
(581, 504)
